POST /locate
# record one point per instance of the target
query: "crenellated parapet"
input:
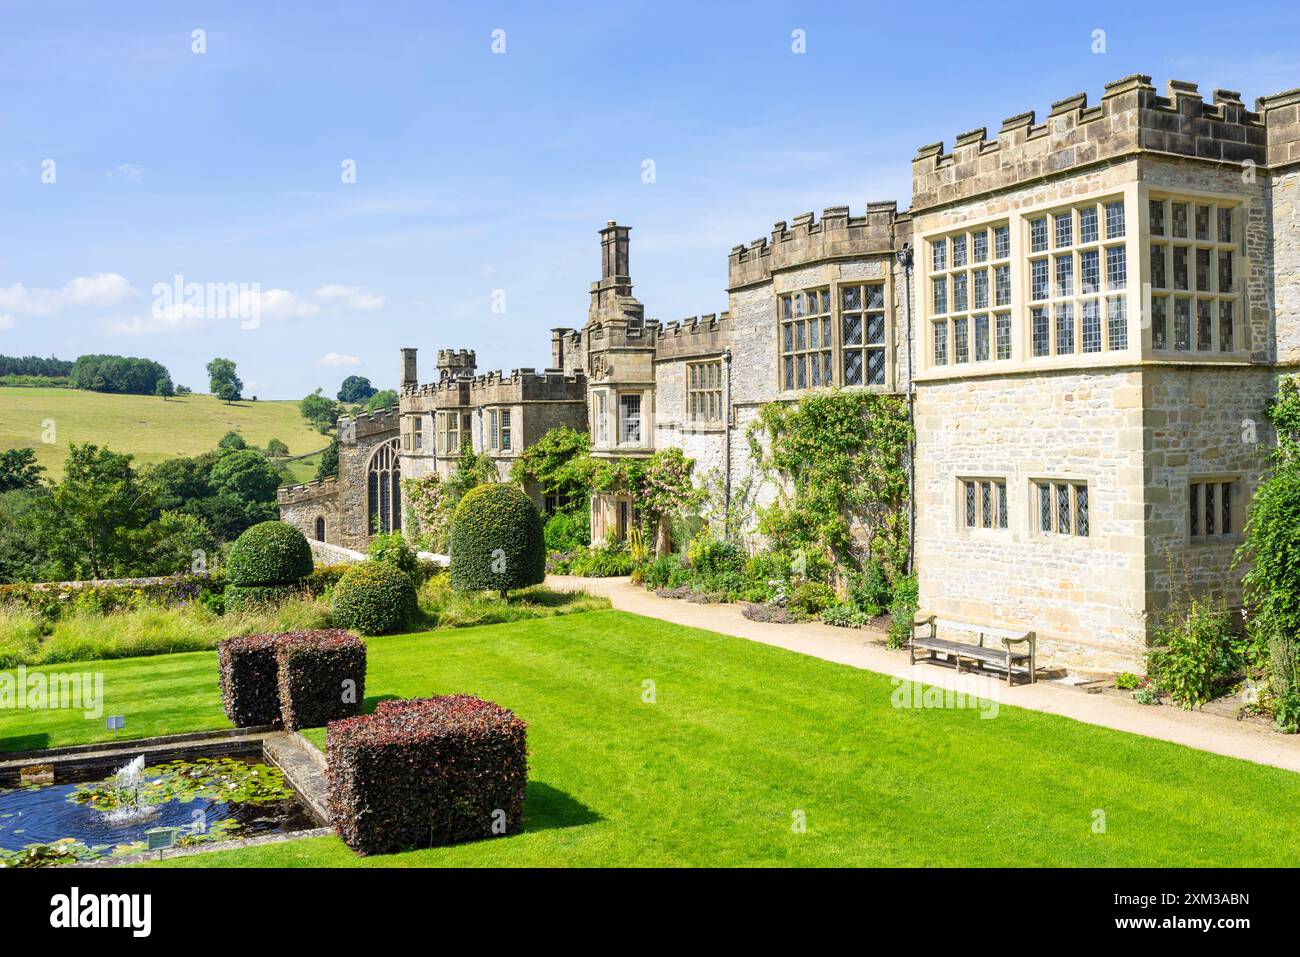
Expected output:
(1281, 113)
(806, 240)
(697, 336)
(362, 425)
(1131, 118)
(307, 492)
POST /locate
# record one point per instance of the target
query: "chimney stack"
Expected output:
(410, 378)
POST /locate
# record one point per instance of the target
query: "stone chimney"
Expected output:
(410, 378)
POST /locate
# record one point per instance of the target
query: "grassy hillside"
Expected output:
(146, 426)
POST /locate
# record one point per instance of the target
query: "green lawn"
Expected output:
(740, 737)
(148, 427)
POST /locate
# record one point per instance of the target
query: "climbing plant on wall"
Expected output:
(1272, 580)
(839, 462)
(559, 465)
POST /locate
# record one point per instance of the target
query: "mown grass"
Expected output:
(738, 741)
(146, 426)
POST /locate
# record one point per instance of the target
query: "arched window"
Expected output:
(384, 488)
(320, 528)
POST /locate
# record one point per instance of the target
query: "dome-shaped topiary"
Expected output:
(496, 540)
(271, 553)
(374, 598)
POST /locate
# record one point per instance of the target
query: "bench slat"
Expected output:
(969, 651)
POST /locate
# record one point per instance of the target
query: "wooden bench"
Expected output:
(1005, 657)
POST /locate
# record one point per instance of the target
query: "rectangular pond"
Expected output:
(89, 814)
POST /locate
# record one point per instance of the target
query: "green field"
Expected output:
(740, 740)
(148, 427)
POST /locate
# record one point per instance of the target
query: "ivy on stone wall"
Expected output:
(559, 464)
(839, 462)
(1271, 584)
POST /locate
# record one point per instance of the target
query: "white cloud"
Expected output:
(352, 297)
(131, 172)
(337, 359)
(281, 304)
(102, 289)
(202, 305)
(6, 321)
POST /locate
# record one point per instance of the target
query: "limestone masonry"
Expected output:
(1100, 305)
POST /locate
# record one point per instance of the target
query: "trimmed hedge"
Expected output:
(426, 772)
(250, 690)
(321, 676)
(269, 553)
(292, 680)
(257, 597)
(374, 598)
(496, 542)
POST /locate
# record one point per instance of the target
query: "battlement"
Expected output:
(1281, 113)
(456, 357)
(806, 240)
(307, 491)
(1131, 118)
(364, 424)
(695, 336)
(456, 362)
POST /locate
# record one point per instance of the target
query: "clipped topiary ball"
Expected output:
(374, 598)
(496, 541)
(271, 553)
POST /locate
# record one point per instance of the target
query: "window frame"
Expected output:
(838, 348)
(962, 325)
(1166, 334)
(993, 515)
(703, 381)
(1194, 515)
(1090, 254)
(1055, 483)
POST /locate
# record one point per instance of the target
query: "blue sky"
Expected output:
(478, 172)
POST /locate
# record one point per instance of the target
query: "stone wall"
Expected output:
(302, 505)
(1199, 422)
(1082, 595)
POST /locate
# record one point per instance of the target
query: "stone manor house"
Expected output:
(1100, 306)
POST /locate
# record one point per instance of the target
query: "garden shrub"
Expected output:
(846, 615)
(250, 692)
(254, 598)
(496, 541)
(659, 571)
(775, 614)
(374, 598)
(1128, 681)
(810, 599)
(869, 590)
(1195, 652)
(426, 772)
(1271, 585)
(902, 612)
(321, 677)
(270, 553)
(392, 548)
(567, 530)
(610, 561)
